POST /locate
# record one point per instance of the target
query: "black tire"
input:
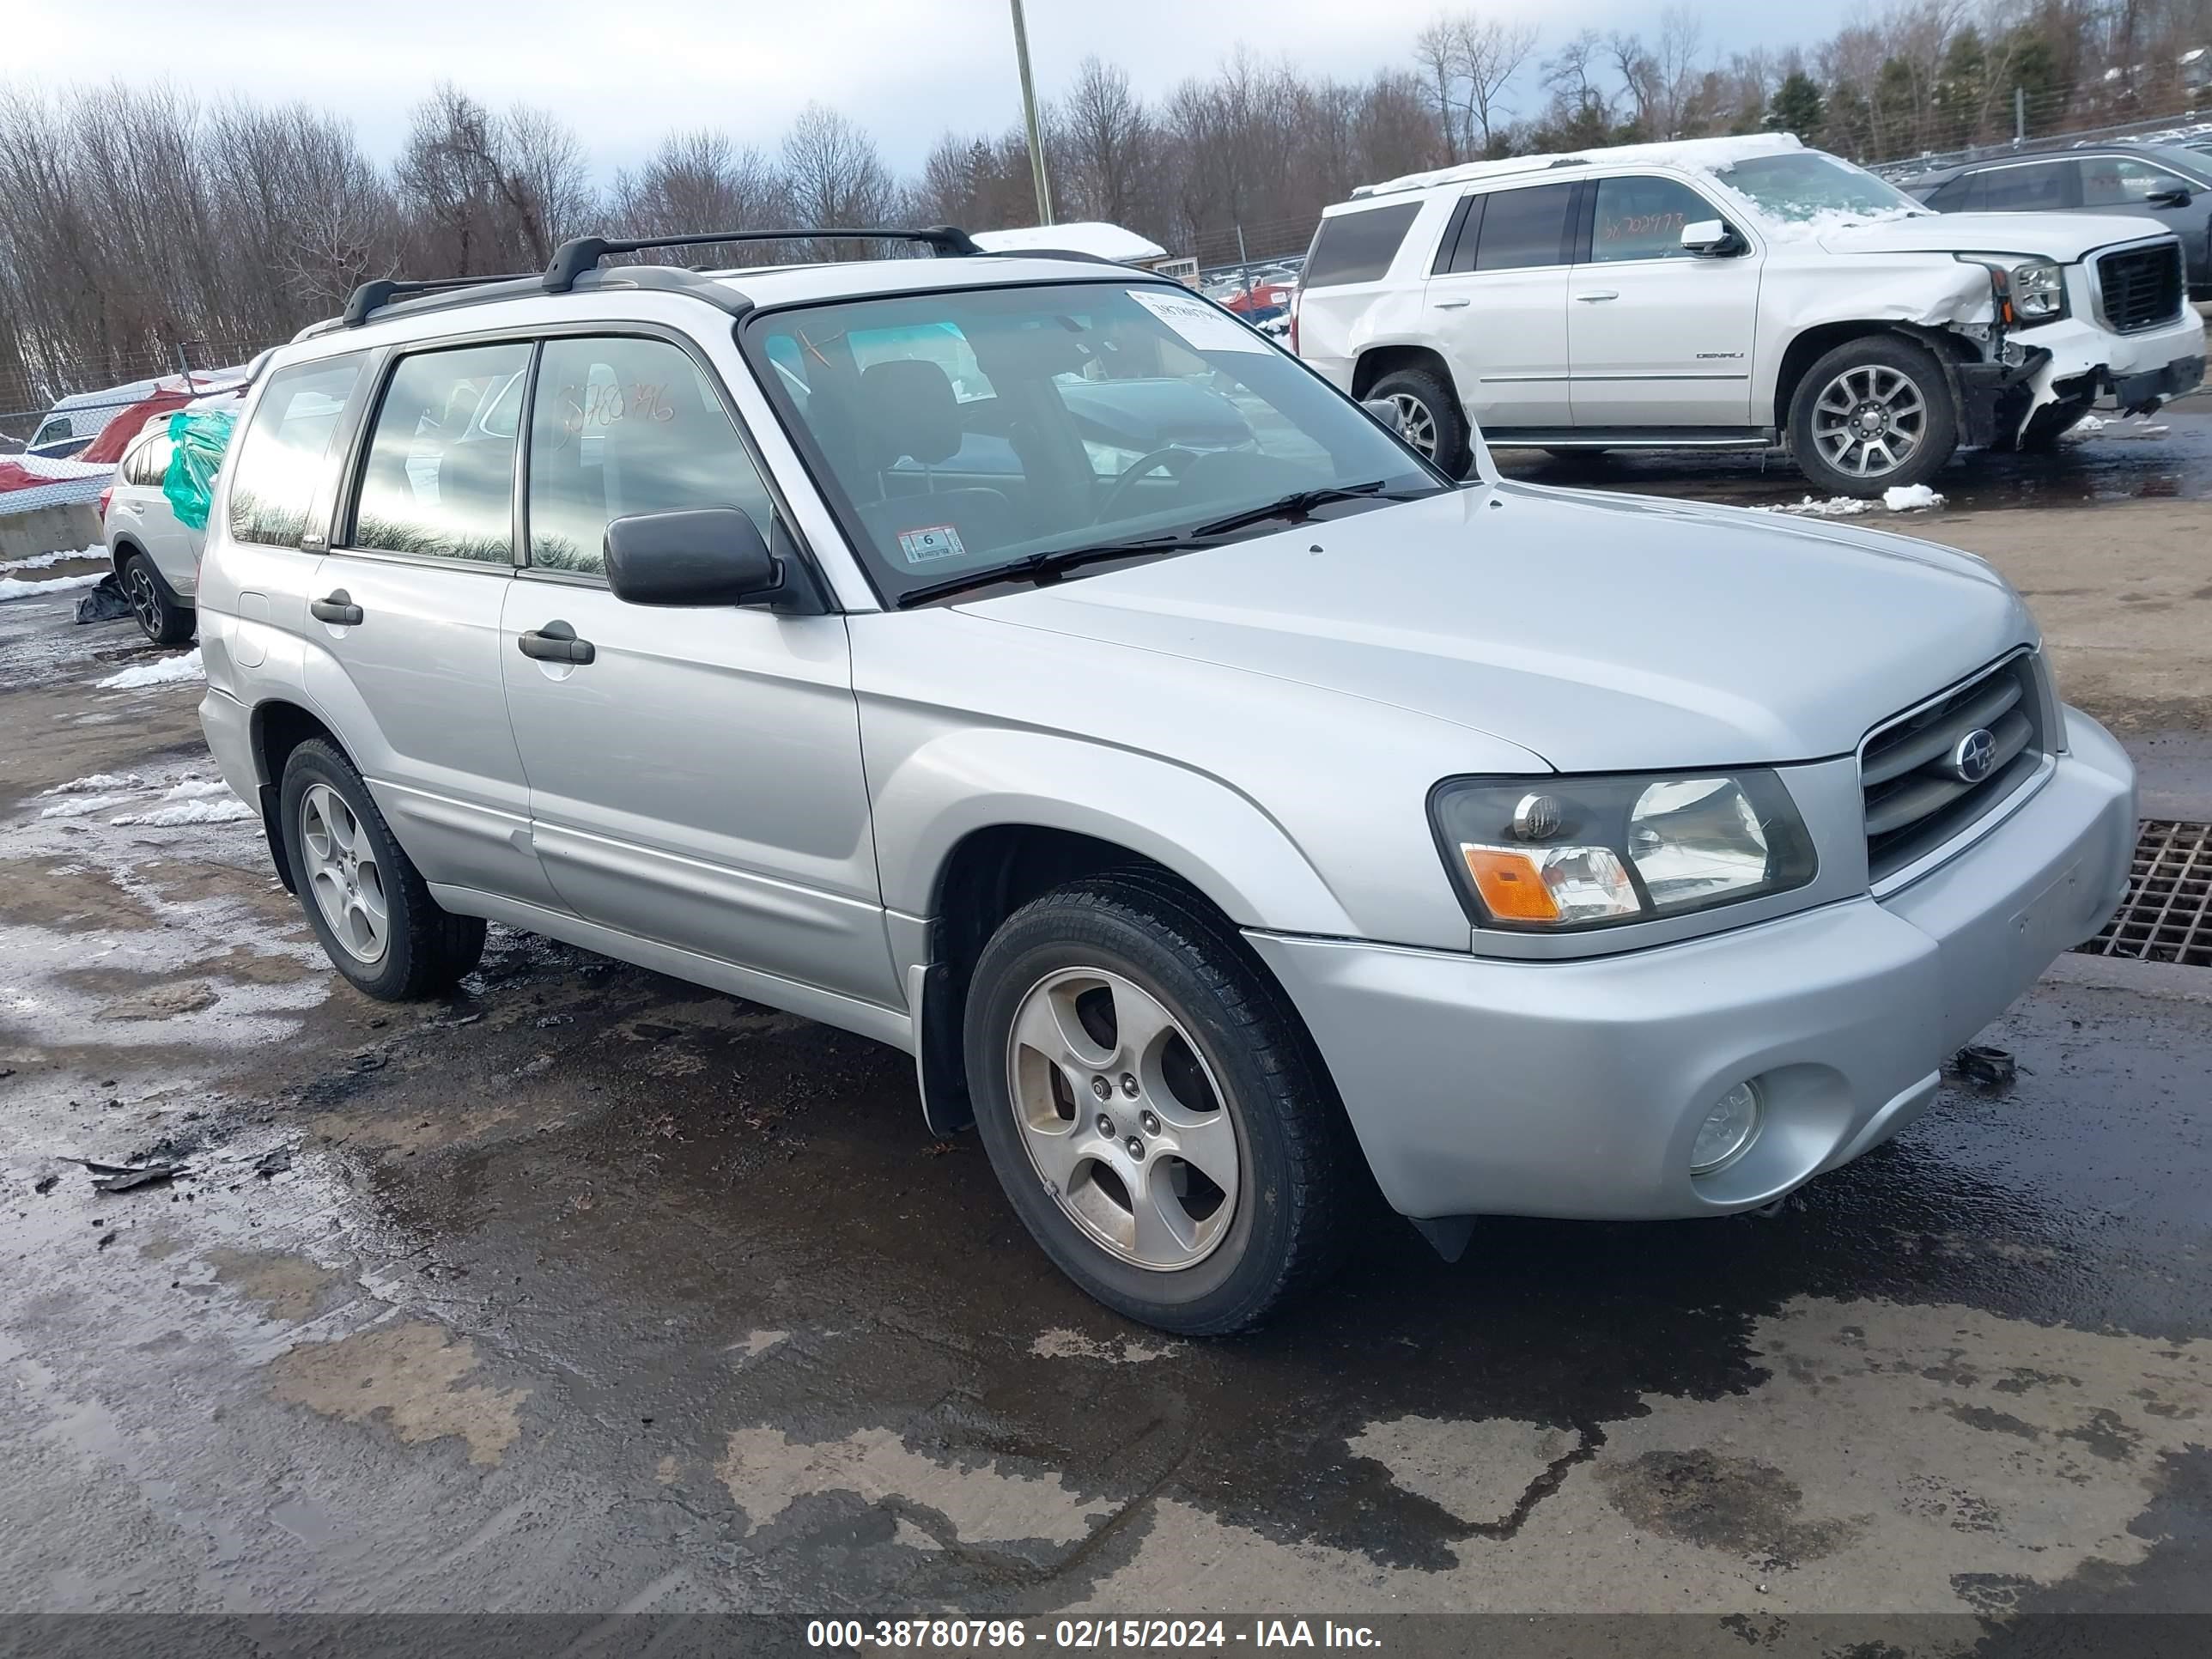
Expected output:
(1438, 407)
(1298, 1167)
(160, 615)
(1937, 436)
(426, 949)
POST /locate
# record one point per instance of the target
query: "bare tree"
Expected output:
(1104, 136)
(835, 174)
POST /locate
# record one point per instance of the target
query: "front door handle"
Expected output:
(1597, 295)
(556, 642)
(1452, 305)
(337, 607)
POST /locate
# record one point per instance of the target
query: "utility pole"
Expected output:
(2019, 114)
(1030, 117)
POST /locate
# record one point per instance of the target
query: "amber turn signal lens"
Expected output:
(1511, 885)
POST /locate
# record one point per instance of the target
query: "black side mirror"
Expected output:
(694, 557)
(2171, 196)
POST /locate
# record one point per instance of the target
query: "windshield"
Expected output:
(1806, 186)
(956, 432)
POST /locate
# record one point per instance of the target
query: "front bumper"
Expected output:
(2139, 371)
(1575, 1088)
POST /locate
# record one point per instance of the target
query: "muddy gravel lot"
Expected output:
(586, 1289)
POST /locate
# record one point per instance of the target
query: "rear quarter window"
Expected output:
(1357, 247)
(280, 459)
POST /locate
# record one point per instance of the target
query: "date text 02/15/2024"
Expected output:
(854, 1635)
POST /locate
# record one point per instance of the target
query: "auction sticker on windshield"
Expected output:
(936, 541)
(1202, 327)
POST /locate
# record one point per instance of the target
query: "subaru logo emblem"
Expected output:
(1973, 757)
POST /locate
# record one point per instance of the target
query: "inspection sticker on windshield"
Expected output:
(936, 541)
(1202, 327)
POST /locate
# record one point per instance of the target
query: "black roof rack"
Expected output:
(372, 296)
(572, 258)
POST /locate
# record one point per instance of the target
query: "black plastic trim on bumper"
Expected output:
(2138, 393)
(1982, 388)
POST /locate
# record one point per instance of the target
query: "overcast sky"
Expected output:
(623, 72)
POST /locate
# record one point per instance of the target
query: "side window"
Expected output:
(1954, 195)
(1643, 219)
(1524, 227)
(622, 426)
(280, 458)
(1357, 247)
(2037, 189)
(439, 479)
(2117, 182)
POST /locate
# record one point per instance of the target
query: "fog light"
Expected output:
(1730, 1127)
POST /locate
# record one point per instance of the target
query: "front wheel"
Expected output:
(1153, 1108)
(1874, 414)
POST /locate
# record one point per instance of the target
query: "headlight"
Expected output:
(2027, 292)
(1551, 855)
(2038, 291)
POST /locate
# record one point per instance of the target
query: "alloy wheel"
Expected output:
(1122, 1119)
(145, 601)
(1415, 424)
(343, 875)
(1870, 422)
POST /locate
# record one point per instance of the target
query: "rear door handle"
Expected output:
(337, 607)
(1452, 305)
(556, 642)
(1598, 293)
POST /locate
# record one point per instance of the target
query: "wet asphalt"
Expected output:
(585, 1290)
(2166, 455)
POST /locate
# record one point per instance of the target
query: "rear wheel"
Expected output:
(159, 617)
(363, 896)
(1874, 414)
(1153, 1108)
(1428, 416)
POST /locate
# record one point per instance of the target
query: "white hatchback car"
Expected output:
(1736, 294)
(156, 556)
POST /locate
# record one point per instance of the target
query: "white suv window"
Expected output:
(1642, 218)
(439, 480)
(1522, 228)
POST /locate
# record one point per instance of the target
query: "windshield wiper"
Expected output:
(1042, 568)
(1302, 501)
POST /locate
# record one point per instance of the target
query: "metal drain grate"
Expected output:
(2167, 915)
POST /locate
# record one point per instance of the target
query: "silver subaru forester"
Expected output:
(1020, 661)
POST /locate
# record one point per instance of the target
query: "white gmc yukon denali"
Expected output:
(1735, 293)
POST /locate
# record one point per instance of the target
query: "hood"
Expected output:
(2064, 237)
(1602, 632)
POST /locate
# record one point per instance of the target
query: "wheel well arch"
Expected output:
(1377, 361)
(1816, 343)
(123, 547)
(277, 728)
(987, 875)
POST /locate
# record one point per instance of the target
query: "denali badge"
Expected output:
(1973, 757)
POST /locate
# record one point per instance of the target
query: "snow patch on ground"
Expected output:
(165, 670)
(79, 807)
(11, 588)
(45, 561)
(97, 783)
(1899, 498)
(229, 810)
